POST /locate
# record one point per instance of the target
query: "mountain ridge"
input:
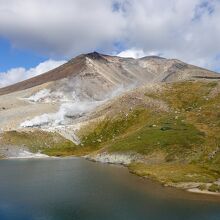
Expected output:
(122, 70)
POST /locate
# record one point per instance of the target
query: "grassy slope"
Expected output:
(188, 135)
(45, 142)
(50, 143)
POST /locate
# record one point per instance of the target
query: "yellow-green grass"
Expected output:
(214, 188)
(68, 151)
(37, 141)
(108, 129)
(194, 100)
(172, 136)
(49, 143)
(144, 131)
(174, 173)
(185, 96)
(189, 134)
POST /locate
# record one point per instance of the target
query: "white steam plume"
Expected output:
(75, 106)
(67, 110)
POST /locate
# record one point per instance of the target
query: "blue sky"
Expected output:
(11, 57)
(35, 32)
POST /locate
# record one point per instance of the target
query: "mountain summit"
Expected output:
(98, 73)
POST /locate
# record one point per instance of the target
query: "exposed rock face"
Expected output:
(115, 158)
(97, 74)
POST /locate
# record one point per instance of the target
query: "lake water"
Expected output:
(76, 189)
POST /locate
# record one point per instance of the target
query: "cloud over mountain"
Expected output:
(187, 30)
(19, 74)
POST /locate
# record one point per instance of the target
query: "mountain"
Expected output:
(82, 84)
(98, 73)
(159, 117)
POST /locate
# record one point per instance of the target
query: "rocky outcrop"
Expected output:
(115, 158)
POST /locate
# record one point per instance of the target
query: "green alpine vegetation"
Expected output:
(39, 141)
(185, 140)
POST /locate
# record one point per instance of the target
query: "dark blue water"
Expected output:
(77, 189)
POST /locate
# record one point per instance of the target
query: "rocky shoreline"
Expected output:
(126, 159)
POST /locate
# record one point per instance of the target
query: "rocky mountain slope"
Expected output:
(97, 74)
(159, 117)
(84, 83)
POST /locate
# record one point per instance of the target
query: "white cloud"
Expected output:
(188, 30)
(159, 24)
(134, 53)
(137, 53)
(63, 27)
(19, 74)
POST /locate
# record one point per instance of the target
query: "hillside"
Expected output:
(170, 133)
(158, 117)
(85, 82)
